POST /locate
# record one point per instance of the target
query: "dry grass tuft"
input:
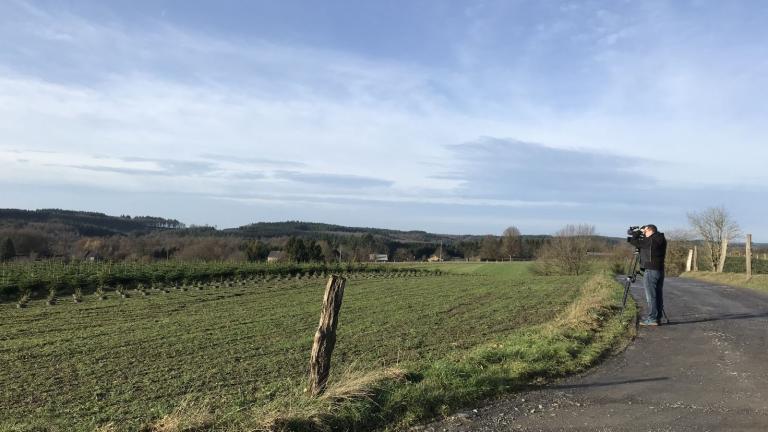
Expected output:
(187, 417)
(313, 413)
(357, 385)
(591, 305)
(109, 427)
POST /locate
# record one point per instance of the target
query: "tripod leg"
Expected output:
(627, 285)
(664, 314)
(630, 276)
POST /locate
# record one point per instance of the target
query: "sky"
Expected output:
(444, 116)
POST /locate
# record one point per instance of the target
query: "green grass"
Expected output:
(758, 282)
(36, 277)
(502, 270)
(580, 335)
(243, 350)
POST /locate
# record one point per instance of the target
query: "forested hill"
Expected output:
(320, 230)
(93, 224)
(87, 223)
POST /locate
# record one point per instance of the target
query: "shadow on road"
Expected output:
(606, 384)
(723, 317)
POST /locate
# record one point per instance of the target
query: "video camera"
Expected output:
(636, 232)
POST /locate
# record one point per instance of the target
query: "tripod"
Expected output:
(631, 277)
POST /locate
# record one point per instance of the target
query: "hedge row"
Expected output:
(739, 265)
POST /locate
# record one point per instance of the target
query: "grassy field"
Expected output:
(758, 282)
(241, 351)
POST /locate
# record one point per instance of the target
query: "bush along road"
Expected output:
(707, 370)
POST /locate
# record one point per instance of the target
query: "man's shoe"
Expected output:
(649, 322)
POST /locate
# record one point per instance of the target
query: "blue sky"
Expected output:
(454, 117)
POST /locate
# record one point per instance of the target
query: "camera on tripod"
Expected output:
(636, 232)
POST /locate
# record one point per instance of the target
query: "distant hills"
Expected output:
(95, 224)
(89, 223)
(318, 230)
(78, 234)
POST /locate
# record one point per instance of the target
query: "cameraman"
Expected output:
(653, 249)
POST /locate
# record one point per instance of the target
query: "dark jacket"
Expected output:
(653, 249)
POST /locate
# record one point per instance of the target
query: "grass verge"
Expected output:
(395, 398)
(757, 282)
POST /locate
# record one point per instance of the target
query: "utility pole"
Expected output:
(441, 250)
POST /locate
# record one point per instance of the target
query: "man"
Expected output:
(653, 249)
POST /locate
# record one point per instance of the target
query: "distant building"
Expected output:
(275, 256)
(92, 256)
(378, 258)
(434, 258)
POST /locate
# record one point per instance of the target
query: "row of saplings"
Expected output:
(145, 289)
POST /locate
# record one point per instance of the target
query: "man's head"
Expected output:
(649, 229)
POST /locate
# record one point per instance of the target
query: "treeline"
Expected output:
(47, 240)
(38, 234)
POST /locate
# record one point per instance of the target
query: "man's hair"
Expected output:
(652, 227)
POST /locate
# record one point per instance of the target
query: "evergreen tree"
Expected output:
(256, 250)
(296, 250)
(314, 252)
(7, 250)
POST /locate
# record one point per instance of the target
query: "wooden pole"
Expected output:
(723, 253)
(690, 260)
(325, 337)
(695, 258)
(749, 256)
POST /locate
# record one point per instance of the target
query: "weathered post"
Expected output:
(325, 337)
(723, 253)
(695, 258)
(749, 256)
(690, 260)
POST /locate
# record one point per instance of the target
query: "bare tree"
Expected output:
(566, 252)
(716, 228)
(512, 243)
(489, 248)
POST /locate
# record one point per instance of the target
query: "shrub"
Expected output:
(566, 252)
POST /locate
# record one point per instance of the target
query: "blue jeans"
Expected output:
(654, 293)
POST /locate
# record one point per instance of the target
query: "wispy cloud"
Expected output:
(333, 180)
(161, 167)
(507, 168)
(253, 160)
(594, 94)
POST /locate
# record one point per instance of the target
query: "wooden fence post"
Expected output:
(325, 337)
(723, 254)
(749, 256)
(695, 258)
(690, 260)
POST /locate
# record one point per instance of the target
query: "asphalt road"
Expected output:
(705, 371)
